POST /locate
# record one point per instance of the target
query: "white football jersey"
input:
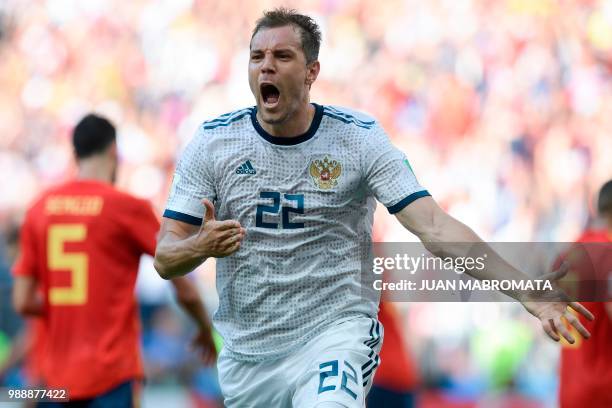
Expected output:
(307, 204)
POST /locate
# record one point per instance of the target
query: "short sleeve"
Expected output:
(388, 173)
(192, 181)
(142, 225)
(25, 265)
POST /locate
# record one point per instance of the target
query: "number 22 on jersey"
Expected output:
(275, 208)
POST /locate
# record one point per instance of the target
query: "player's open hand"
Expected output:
(553, 307)
(218, 239)
(204, 344)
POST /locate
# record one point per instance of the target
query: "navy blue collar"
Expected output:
(288, 141)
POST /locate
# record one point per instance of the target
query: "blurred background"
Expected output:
(504, 109)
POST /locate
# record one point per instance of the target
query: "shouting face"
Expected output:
(279, 76)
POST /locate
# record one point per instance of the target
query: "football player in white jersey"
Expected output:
(283, 194)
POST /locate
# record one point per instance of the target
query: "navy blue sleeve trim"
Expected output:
(405, 201)
(189, 219)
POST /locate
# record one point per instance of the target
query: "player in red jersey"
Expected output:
(586, 366)
(81, 244)
(396, 380)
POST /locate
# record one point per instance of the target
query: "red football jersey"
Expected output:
(397, 371)
(586, 366)
(82, 241)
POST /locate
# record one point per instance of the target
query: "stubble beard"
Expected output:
(284, 118)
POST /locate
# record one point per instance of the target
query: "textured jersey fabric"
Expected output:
(307, 203)
(336, 366)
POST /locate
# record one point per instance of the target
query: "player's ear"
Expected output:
(312, 72)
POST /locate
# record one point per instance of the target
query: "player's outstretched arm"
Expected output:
(182, 247)
(444, 236)
(189, 299)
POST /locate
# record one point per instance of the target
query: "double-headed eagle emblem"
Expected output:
(325, 173)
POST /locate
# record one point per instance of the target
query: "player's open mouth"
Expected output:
(270, 95)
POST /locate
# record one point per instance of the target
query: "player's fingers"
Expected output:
(207, 353)
(574, 321)
(235, 247)
(562, 328)
(227, 224)
(210, 210)
(227, 234)
(203, 352)
(229, 240)
(211, 356)
(558, 274)
(582, 310)
(228, 250)
(550, 330)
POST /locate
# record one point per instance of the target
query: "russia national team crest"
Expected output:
(325, 172)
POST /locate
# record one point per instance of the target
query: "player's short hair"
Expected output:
(92, 135)
(604, 203)
(309, 29)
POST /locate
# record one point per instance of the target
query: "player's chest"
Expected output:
(319, 174)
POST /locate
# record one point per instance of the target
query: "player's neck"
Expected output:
(96, 168)
(297, 125)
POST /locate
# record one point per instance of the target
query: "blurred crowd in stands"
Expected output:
(504, 109)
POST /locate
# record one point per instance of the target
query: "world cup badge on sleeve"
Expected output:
(325, 172)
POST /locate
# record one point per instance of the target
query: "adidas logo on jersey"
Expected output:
(246, 168)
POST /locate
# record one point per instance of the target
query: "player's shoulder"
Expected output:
(211, 132)
(39, 201)
(126, 209)
(114, 199)
(228, 119)
(347, 117)
(123, 199)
